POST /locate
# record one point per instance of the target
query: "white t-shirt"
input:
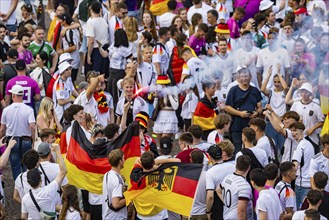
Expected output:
(17, 118)
(268, 201)
(320, 163)
(290, 145)
(36, 74)
(114, 24)
(4, 8)
(97, 28)
(146, 74)
(62, 90)
(310, 114)
(199, 205)
(22, 186)
(112, 188)
(203, 11)
(138, 106)
(118, 56)
(301, 214)
(69, 132)
(259, 153)
(72, 38)
(287, 195)
(217, 173)
(264, 143)
(234, 188)
(161, 55)
(72, 214)
(212, 136)
(225, 65)
(197, 69)
(189, 105)
(44, 197)
(91, 107)
(267, 58)
(242, 57)
(304, 149)
(277, 102)
(165, 19)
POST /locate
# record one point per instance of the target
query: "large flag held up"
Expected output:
(87, 163)
(172, 186)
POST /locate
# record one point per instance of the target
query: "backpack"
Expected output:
(83, 9)
(315, 146)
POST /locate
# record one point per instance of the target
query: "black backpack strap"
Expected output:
(254, 161)
(285, 186)
(41, 48)
(21, 177)
(315, 146)
(275, 159)
(34, 201)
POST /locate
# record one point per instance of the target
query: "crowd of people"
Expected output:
(242, 85)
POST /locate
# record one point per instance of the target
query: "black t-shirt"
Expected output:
(9, 72)
(243, 101)
(23, 23)
(4, 47)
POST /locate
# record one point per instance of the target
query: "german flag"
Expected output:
(87, 163)
(325, 127)
(158, 7)
(205, 114)
(172, 186)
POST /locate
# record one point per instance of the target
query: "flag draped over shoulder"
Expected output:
(87, 164)
(204, 114)
(172, 186)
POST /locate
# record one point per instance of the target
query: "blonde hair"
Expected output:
(46, 107)
(227, 147)
(131, 28)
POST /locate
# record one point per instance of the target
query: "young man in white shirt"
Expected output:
(302, 160)
(166, 18)
(236, 193)
(268, 205)
(248, 139)
(116, 21)
(160, 57)
(320, 162)
(270, 56)
(43, 196)
(263, 141)
(198, 7)
(113, 201)
(223, 164)
(222, 123)
(290, 143)
(286, 194)
(195, 67)
(314, 201)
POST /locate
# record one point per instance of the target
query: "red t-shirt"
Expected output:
(184, 156)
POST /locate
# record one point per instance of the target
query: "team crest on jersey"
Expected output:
(162, 180)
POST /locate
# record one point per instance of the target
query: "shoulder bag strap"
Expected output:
(34, 201)
(42, 46)
(21, 177)
(46, 177)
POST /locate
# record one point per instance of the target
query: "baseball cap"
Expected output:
(12, 53)
(307, 86)
(239, 68)
(44, 149)
(166, 142)
(17, 90)
(65, 57)
(82, 85)
(63, 66)
(215, 152)
(265, 4)
(34, 177)
(20, 65)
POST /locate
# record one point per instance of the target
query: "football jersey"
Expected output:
(287, 195)
(320, 163)
(234, 188)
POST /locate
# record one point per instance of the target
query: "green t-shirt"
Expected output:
(34, 48)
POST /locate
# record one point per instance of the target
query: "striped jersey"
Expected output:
(234, 188)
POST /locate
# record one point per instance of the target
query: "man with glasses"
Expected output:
(115, 22)
(95, 101)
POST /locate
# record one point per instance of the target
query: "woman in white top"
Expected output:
(41, 60)
(183, 14)
(119, 52)
(165, 122)
(70, 208)
(149, 24)
(131, 28)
